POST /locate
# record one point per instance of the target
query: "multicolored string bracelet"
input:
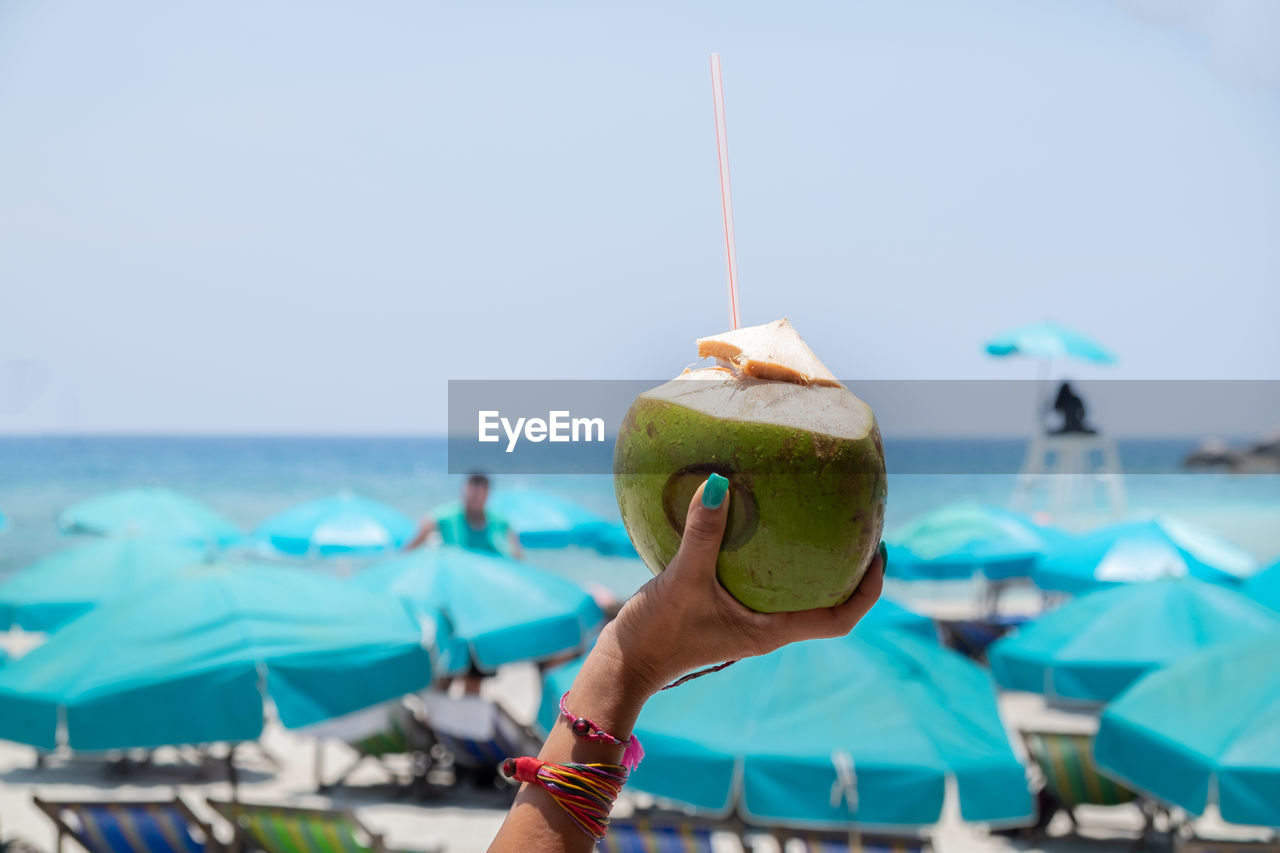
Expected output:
(588, 730)
(585, 791)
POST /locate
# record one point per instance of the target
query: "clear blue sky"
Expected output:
(306, 216)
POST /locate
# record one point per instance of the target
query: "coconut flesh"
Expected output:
(802, 454)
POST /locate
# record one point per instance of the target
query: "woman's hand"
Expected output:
(679, 621)
(684, 619)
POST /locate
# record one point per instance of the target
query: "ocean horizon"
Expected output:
(248, 478)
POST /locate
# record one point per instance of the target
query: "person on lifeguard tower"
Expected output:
(1069, 405)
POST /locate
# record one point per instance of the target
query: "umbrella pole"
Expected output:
(231, 770)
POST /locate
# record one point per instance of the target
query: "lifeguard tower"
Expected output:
(1072, 470)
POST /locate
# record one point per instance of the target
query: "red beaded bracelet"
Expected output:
(587, 730)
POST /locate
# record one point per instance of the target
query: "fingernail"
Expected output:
(714, 491)
(884, 559)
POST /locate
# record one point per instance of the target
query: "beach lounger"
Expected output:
(1066, 762)
(972, 637)
(159, 826)
(477, 733)
(643, 834)
(840, 842)
(379, 734)
(288, 829)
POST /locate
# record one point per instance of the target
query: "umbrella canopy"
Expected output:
(890, 614)
(543, 519)
(189, 660)
(503, 610)
(150, 511)
(1209, 724)
(51, 592)
(344, 524)
(1264, 587)
(1093, 647)
(609, 539)
(1049, 341)
(863, 728)
(961, 540)
(1141, 550)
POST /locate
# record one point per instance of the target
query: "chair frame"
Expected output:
(53, 808)
(1208, 845)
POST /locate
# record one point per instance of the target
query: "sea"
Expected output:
(250, 478)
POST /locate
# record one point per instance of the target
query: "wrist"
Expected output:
(626, 665)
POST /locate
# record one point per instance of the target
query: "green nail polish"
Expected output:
(714, 491)
(884, 559)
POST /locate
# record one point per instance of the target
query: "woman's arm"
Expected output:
(681, 620)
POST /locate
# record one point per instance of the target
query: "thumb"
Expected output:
(705, 523)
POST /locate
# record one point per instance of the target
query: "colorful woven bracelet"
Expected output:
(585, 791)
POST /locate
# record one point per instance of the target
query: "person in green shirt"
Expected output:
(468, 524)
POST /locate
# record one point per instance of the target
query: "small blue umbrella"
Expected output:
(1264, 587)
(4, 522)
(191, 659)
(342, 525)
(865, 728)
(1144, 550)
(503, 610)
(1206, 728)
(1049, 341)
(150, 511)
(47, 594)
(958, 541)
(1093, 647)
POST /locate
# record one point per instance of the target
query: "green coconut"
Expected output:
(802, 454)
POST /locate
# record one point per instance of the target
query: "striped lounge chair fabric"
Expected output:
(649, 835)
(286, 829)
(842, 842)
(154, 826)
(1066, 761)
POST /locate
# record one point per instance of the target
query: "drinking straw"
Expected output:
(726, 193)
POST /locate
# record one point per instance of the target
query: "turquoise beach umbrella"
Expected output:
(1205, 728)
(503, 610)
(1264, 587)
(1094, 647)
(1049, 341)
(543, 519)
(344, 524)
(956, 542)
(890, 614)
(51, 592)
(864, 728)
(149, 511)
(191, 659)
(1143, 550)
(609, 539)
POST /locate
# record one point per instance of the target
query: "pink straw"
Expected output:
(726, 193)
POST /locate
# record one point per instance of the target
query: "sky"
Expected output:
(306, 217)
